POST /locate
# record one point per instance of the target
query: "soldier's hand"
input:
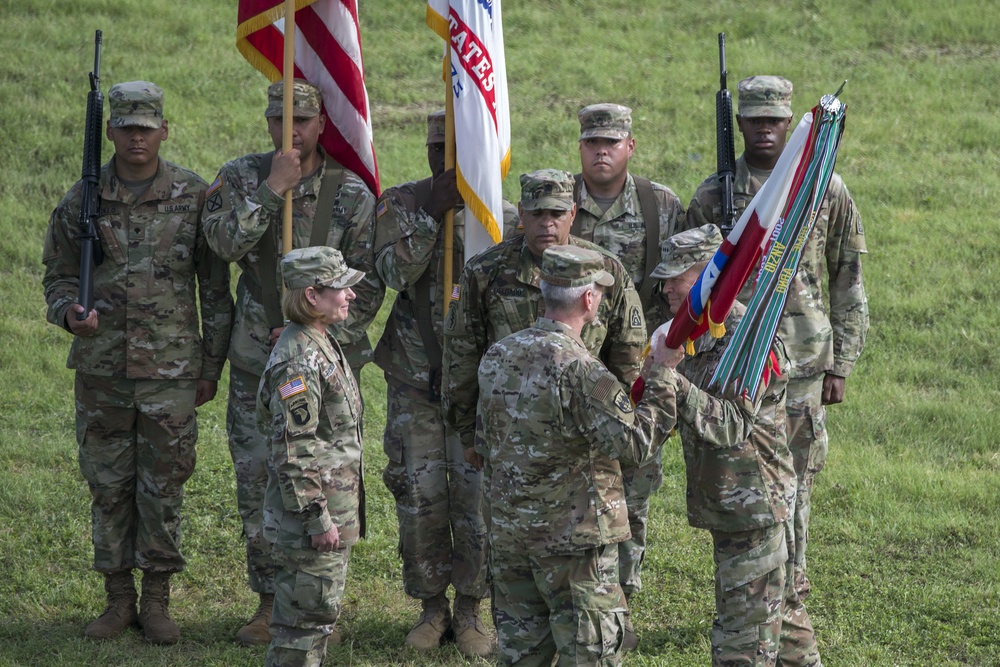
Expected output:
(83, 328)
(286, 171)
(663, 355)
(205, 391)
(474, 458)
(444, 195)
(274, 335)
(328, 541)
(833, 389)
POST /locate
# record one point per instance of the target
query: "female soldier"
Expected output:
(310, 403)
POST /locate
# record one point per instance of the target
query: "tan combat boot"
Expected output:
(257, 631)
(154, 617)
(434, 621)
(471, 635)
(120, 612)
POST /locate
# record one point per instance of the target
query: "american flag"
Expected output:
(328, 55)
(292, 387)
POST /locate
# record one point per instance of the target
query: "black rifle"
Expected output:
(91, 254)
(726, 154)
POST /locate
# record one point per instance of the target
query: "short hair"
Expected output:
(563, 298)
(296, 306)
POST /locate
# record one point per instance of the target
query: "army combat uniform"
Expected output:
(820, 339)
(553, 424)
(240, 209)
(136, 377)
(310, 405)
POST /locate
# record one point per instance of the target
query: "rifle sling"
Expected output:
(267, 247)
(651, 219)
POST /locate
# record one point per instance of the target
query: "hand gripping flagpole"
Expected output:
(287, 119)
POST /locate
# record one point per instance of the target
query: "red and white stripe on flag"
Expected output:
(327, 54)
(473, 30)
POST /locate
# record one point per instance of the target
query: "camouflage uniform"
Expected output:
(820, 339)
(553, 422)
(238, 211)
(136, 376)
(621, 230)
(310, 404)
(741, 487)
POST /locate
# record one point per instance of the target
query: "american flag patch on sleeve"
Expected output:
(381, 209)
(291, 388)
(455, 292)
(216, 184)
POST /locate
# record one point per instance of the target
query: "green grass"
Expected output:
(905, 540)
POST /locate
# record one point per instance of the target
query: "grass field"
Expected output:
(905, 540)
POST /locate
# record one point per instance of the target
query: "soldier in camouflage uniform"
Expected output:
(553, 424)
(740, 481)
(441, 530)
(610, 213)
(314, 504)
(142, 365)
(243, 220)
(823, 342)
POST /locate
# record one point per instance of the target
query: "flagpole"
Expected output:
(287, 119)
(449, 163)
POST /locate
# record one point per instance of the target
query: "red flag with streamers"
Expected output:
(328, 55)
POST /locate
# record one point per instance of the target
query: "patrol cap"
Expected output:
(547, 189)
(608, 121)
(435, 128)
(683, 250)
(573, 266)
(765, 96)
(318, 265)
(136, 104)
(306, 99)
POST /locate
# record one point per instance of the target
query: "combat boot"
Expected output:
(435, 620)
(630, 642)
(471, 635)
(120, 612)
(257, 631)
(154, 616)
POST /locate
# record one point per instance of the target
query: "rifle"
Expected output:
(726, 154)
(91, 254)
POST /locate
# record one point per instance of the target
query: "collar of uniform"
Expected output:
(325, 340)
(528, 271)
(743, 181)
(112, 188)
(622, 204)
(546, 324)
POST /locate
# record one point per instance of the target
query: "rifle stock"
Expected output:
(725, 151)
(91, 254)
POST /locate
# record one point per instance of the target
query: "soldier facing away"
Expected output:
(823, 340)
(553, 423)
(331, 206)
(142, 364)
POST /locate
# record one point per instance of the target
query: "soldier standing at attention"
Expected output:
(332, 206)
(823, 342)
(740, 481)
(314, 504)
(554, 422)
(142, 365)
(628, 216)
(441, 530)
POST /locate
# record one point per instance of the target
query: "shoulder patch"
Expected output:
(456, 292)
(300, 413)
(381, 209)
(292, 387)
(214, 202)
(452, 320)
(604, 387)
(635, 318)
(216, 184)
(623, 402)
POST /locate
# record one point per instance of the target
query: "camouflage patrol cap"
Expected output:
(136, 104)
(318, 265)
(547, 189)
(683, 250)
(765, 96)
(435, 128)
(608, 121)
(573, 266)
(306, 99)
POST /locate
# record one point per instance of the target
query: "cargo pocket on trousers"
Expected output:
(599, 611)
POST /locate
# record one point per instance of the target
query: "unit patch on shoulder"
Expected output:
(623, 402)
(214, 202)
(300, 412)
(291, 388)
(635, 318)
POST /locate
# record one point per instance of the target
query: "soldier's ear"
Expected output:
(165, 130)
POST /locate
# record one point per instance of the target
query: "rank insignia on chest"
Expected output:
(291, 388)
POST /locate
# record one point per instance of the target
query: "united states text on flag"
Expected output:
(328, 55)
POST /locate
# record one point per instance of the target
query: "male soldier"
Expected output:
(740, 481)
(552, 423)
(499, 295)
(441, 531)
(628, 216)
(823, 343)
(331, 206)
(141, 366)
